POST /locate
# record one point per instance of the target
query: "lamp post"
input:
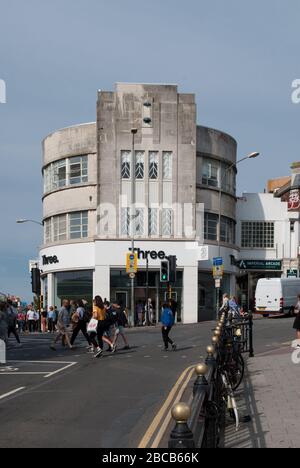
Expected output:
(133, 213)
(22, 221)
(229, 168)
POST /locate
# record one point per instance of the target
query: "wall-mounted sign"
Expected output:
(50, 260)
(294, 200)
(268, 265)
(292, 273)
(150, 254)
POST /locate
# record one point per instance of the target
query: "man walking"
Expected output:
(82, 318)
(31, 319)
(63, 323)
(167, 321)
(12, 315)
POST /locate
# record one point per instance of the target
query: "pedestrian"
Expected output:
(3, 322)
(21, 320)
(51, 320)
(36, 321)
(167, 321)
(12, 315)
(121, 324)
(80, 319)
(44, 315)
(234, 309)
(297, 321)
(225, 306)
(63, 323)
(140, 313)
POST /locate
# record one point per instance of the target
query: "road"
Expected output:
(69, 399)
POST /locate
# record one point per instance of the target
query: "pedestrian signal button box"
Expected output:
(132, 263)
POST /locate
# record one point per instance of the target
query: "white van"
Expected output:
(277, 296)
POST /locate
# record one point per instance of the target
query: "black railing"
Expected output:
(202, 424)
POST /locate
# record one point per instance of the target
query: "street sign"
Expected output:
(268, 265)
(218, 283)
(131, 275)
(218, 261)
(132, 262)
(292, 273)
(218, 271)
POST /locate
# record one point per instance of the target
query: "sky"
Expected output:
(239, 58)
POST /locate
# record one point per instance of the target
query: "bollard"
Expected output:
(251, 347)
(210, 360)
(201, 382)
(2, 352)
(181, 437)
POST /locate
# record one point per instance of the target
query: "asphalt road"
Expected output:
(69, 399)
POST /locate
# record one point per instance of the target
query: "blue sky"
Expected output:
(238, 57)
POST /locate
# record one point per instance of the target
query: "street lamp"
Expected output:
(133, 214)
(22, 221)
(250, 156)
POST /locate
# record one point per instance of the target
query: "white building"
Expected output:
(179, 172)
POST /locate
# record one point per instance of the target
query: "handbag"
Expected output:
(92, 326)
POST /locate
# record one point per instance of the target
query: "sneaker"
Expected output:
(53, 348)
(113, 349)
(166, 349)
(126, 347)
(98, 353)
(174, 347)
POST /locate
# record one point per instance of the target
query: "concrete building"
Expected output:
(268, 233)
(178, 173)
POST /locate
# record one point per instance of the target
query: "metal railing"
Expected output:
(202, 424)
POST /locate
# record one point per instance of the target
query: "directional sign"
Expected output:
(269, 265)
(218, 261)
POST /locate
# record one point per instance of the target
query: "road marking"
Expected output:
(11, 393)
(161, 413)
(168, 418)
(71, 364)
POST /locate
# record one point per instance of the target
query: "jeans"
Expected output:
(165, 334)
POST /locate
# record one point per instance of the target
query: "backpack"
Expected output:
(112, 316)
(86, 316)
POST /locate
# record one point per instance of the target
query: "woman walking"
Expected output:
(99, 314)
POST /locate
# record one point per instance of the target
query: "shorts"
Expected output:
(121, 329)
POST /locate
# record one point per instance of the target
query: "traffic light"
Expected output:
(164, 271)
(36, 281)
(172, 268)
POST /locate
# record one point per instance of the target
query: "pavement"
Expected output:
(68, 399)
(270, 395)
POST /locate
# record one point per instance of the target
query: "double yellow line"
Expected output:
(164, 414)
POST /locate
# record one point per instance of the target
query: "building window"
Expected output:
(78, 170)
(258, 235)
(66, 172)
(59, 228)
(125, 221)
(153, 222)
(139, 221)
(228, 177)
(167, 217)
(59, 174)
(167, 165)
(47, 230)
(211, 226)
(78, 225)
(139, 164)
(153, 165)
(125, 164)
(228, 227)
(210, 173)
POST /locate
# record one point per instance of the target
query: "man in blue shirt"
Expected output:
(167, 321)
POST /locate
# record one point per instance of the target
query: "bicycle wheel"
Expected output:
(236, 371)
